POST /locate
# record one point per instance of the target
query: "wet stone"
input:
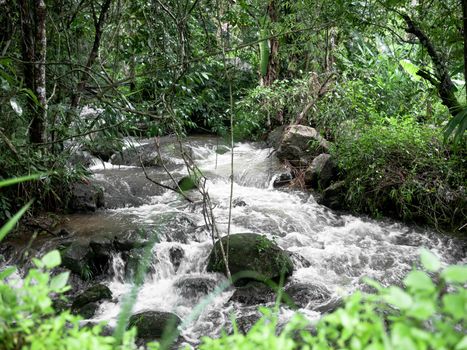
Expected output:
(195, 287)
(86, 303)
(176, 256)
(282, 180)
(152, 325)
(254, 293)
(307, 295)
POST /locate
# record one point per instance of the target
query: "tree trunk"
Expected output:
(34, 48)
(272, 71)
(464, 21)
(99, 28)
(442, 80)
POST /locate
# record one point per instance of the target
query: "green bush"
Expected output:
(402, 168)
(27, 317)
(267, 106)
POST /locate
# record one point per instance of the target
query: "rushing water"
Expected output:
(331, 249)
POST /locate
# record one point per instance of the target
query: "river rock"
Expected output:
(176, 255)
(133, 259)
(246, 322)
(300, 144)
(85, 260)
(86, 303)
(195, 287)
(254, 293)
(152, 325)
(321, 172)
(329, 306)
(275, 137)
(105, 149)
(85, 197)
(307, 295)
(282, 180)
(145, 154)
(254, 253)
(334, 196)
(238, 202)
(81, 158)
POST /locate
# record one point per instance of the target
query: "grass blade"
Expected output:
(12, 222)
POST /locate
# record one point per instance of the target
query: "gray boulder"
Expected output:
(334, 196)
(254, 293)
(86, 303)
(300, 144)
(282, 180)
(195, 287)
(321, 172)
(85, 197)
(308, 295)
(275, 137)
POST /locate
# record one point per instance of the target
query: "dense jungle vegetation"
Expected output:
(384, 81)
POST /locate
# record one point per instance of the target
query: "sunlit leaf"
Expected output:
(398, 298)
(455, 274)
(419, 280)
(429, 261)
(455, 304)
(16, 107)
(7, 272)
(52, 259)
(59, 281)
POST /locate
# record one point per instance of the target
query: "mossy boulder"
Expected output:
(253, 253)
(152, 325)
(88, 302)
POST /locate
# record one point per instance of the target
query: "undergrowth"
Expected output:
(403, 169)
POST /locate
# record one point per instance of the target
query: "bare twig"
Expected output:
(161, 184)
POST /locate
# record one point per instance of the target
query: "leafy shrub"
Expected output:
(402, 168)
(267, 106)
(27, 317)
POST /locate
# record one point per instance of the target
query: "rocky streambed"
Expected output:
(322, 254)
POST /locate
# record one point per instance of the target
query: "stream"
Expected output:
(331, 251)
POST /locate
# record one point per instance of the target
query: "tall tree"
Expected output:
(33, 14)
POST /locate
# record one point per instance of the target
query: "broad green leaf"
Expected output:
(51, 259)
(429, 261)
(419, 280)
(455, 274)
(39, 264)
(7, 272)
(398, 298)
(457, 123)
(422, 310)
(455, 304)
(462, 345)
(12, 222)
(59, 281)
(411, 69)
